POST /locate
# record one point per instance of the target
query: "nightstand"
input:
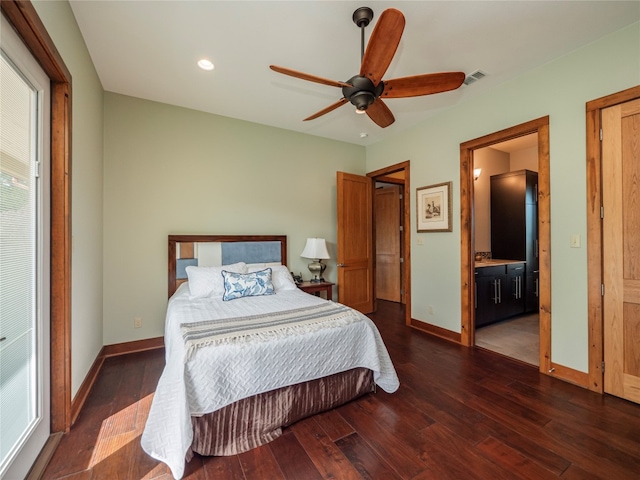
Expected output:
(317, 287)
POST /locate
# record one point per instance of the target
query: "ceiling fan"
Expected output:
(367, 89)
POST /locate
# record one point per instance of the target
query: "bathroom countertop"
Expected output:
(494, 262)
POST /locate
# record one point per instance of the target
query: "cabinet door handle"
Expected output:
(495, 291)
(340, 265)
(520, 287)
(537, 294)
(475, 296)
(499, 291)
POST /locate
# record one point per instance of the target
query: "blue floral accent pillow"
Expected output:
(237, 285)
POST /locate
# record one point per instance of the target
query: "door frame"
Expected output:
(382, 175)
(25, 20)
(467, 234)
(594, 232)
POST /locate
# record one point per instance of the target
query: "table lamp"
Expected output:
(316, 250)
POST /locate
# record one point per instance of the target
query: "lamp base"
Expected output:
(316, 268)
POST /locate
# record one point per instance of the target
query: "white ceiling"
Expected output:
(517, 144)
(149, 49)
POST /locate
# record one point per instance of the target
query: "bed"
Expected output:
(248, 353)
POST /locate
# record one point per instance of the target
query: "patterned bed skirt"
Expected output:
(258, 420)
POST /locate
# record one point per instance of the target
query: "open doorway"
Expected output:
(389, 230)
(392, 242)
(470, 293)
(506, 255)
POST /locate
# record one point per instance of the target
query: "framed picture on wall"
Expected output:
(433, 205)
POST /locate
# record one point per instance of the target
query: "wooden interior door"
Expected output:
(621, 249)
(387, 222)
(355, 238)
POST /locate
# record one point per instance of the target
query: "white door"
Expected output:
(24, 257)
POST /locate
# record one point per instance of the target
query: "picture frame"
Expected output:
(433, 207)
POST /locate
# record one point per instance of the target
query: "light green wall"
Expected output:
(86, 187)
(559, 89)
(171, 170)
(492, 162)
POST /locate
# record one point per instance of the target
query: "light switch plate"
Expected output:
(575, 240)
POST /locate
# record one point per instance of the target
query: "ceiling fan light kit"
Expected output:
(366, 90)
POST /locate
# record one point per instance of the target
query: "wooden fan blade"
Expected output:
(306, 76)
(328, 109)
(383, 44)
(380, 113)
(426, 84)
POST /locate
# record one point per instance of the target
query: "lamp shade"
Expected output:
(315, 248)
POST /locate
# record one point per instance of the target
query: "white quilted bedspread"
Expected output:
(217, 376)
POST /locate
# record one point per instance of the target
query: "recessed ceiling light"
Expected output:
(205, 64)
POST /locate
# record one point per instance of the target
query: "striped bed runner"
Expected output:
(263, 327)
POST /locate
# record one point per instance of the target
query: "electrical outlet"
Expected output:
(137, 322)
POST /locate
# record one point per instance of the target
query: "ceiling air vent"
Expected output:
(474, 77)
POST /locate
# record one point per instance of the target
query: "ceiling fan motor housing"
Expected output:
(363, 92)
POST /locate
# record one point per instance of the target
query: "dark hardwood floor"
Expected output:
(459, 414)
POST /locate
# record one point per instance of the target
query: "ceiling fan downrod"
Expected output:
(361, 17)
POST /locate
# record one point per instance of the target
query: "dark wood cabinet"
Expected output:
(516, 290)
(315, 288)
(514, 225)
(499, 292)
(489, 282)
(532, 291)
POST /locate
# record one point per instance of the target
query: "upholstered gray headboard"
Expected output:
(213, 250)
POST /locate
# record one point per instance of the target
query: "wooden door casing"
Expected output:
(621, 249)
(24, 18)
(467, 336)
(355, 249)
(387, 223)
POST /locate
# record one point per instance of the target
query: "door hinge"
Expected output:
(401, 197)
(37, 169)
(600, 134)
(401, 260)
(602, 367)
(402, 228)
(601, 211)
(401, 292)
(602, 289)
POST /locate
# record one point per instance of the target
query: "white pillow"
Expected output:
(208, 281)
(280, 277)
